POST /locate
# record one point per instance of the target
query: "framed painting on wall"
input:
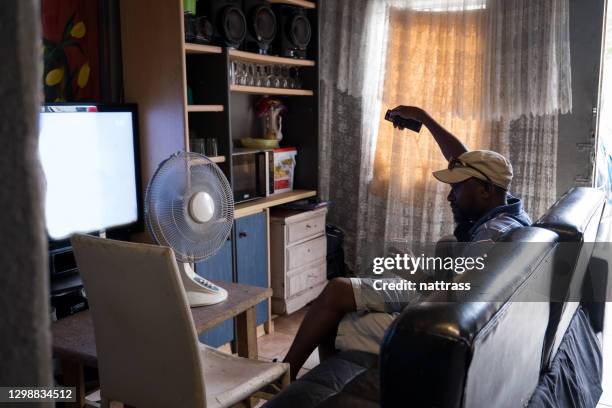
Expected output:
(71, 41)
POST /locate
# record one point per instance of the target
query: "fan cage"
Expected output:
(167, 216)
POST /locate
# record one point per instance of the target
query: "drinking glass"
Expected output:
(276, 76)
(297, 80)
(259, 75)
(268, 75)
(250, 74)
(284, 76)
(197, 145)
(245, 73)
(293, 77)
(211, 147)
(234, 73)
(234, 78)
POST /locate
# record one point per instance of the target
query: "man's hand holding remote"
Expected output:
(405, 117)
(448, 143)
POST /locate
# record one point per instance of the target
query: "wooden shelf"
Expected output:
(301, 3)
(255, 206)
(217, 159)
(205, 108)
(191, 48)
(271, 59)
(270, 91)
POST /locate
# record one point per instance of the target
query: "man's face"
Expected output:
(467, 200)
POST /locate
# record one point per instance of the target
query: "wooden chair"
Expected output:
(148, 350)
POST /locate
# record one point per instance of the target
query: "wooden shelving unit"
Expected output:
(301, 3)
(191, 48)
(256, 206)
(257, 90)
(160, 70)
(205, 108)
(270, 59)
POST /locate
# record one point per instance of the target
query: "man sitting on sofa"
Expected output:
(350, 313)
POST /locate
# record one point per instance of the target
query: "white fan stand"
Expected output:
(200, 291)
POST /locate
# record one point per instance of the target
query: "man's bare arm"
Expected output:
(448, 143)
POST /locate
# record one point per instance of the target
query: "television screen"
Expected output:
(89, 158)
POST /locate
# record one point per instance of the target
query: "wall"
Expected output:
(586, 22)
(24, 317)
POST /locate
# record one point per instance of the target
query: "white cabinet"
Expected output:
(298, 250)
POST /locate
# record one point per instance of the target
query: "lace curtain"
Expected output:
(528, 68)
(530, 143)
(435, 54)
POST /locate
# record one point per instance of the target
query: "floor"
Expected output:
(276, 345)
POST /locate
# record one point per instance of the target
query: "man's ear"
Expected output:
(487, 189)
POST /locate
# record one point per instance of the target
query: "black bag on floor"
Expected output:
(335, 253)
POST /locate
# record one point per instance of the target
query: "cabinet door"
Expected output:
(218, 267)
(252, 256)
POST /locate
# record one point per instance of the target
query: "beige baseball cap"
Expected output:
(479, 164)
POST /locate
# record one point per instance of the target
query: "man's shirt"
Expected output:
(497, 222)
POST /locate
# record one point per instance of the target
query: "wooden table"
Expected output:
(75, 346)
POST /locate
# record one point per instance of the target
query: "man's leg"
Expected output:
(321, 322)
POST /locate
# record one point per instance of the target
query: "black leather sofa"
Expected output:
(498, 347)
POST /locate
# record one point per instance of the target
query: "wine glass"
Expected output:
(276, 76)
(297, 79)
(293, 77)
(250, 74)
(284, 76)
(268, 75)
(241, 73)
(233, 74)
(259, 75)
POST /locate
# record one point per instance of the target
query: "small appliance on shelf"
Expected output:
(261, 25)
(253, 173)
(284, 169)
(294, 31)
(229, 22)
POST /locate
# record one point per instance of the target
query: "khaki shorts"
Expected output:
(364, 329)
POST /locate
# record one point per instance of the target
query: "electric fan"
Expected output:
(189, 207)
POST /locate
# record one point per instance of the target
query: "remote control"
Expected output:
(411, 124)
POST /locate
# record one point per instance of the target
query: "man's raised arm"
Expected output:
(448, 143)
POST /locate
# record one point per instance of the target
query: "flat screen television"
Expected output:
(90, 159)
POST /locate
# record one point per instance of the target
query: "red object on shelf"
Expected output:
(284, 169)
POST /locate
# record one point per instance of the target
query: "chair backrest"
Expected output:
(147, 346)
(575, 217)
(484, 350)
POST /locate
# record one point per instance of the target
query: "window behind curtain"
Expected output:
(434, 61)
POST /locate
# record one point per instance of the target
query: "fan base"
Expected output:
(200, 291)
(197, 298)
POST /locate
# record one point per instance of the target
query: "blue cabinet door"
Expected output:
(252, 256)
(218, 267)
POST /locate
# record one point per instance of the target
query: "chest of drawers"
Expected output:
(298, 249)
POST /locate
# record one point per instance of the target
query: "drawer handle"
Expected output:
(308, 226)
(242, 234)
